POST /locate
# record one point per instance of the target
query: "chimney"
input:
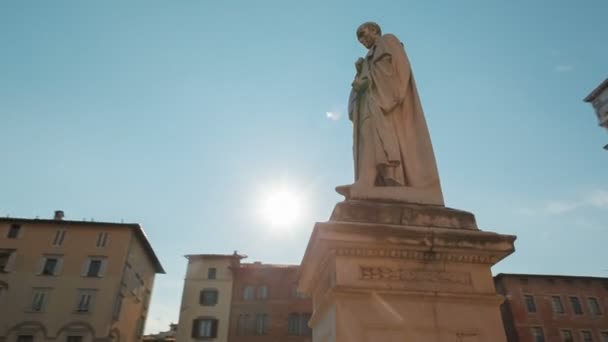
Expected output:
(58, 215)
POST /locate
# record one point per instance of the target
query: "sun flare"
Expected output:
(281, 207)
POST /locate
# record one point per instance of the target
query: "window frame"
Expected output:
(585, 331)
(90, 294)
(14, 227)
(261, 292)
(604, 335)
(212, 273)
(201, 298)
(59, 237)
(261, 324)
(197, 326)
(562, 333)
(574, 307)
(595, 308)
(561, 304)
(39, 300)
(56, 270)
(102, 239)
(87, 267)
(536, 337)
(529, 310)
(249, 292)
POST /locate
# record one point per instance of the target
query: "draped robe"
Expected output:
(390, 131)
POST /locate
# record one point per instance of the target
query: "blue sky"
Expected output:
(181, 115)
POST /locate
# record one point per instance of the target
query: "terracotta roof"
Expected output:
(596, 91)
(139, 232)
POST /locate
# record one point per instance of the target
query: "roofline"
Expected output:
(503, 275)
(139, 232)
(215, 256)
(595, 92)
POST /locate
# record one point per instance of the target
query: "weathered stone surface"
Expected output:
(403, 272)
(403, 214)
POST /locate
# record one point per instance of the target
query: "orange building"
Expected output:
(227, 300)
(554, 308)
(74, 281)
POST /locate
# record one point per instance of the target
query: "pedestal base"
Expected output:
(423, 277)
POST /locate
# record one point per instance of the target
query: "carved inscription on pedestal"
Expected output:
(389, 273)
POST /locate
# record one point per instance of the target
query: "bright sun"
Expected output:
(281, 207)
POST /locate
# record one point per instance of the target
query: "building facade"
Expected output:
(74, 281)
(599, 100)
(207, 296)
(227, 300)
(540, 308)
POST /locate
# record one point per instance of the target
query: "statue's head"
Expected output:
(368, 33)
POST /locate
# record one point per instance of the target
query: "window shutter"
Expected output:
(10, 264)
(85, 268)
(41, 265)
(195, 324)
(214, 328)
(201, 297)
(102, 268)
(59, 266)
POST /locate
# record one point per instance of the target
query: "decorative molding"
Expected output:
(388, 273)
(477, 258)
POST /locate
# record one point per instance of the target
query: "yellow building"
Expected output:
(207, 297)
(74, 281)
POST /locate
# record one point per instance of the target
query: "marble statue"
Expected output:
(393, 155)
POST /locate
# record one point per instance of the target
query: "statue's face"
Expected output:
(367, 36)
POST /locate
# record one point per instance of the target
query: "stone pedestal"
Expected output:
(382, 272)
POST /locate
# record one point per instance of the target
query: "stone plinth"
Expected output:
(403, 272)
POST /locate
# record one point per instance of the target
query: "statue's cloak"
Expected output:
(391, 101)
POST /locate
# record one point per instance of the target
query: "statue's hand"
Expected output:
(360, 84)
(359, 64)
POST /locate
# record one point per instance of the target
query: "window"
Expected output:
(587, 337)
(604, 336)
(74, 339)
(576, 305)
(530, 304)
(7, 260)
(39, 300)
(262, 292)
(85, 300)
(50, 265)
(242, 328)
(305, 329)
(297, 324)
(261, 324)
(567, 336)
(94, 267)
(59, 236)
(204, 327)
(248, 293)
(539, 335)
(102, 240)
(211, 273)
(25, 338)
(14, 231)
(557, 305)
(594, 305)
(208, 297)
(293, 324)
